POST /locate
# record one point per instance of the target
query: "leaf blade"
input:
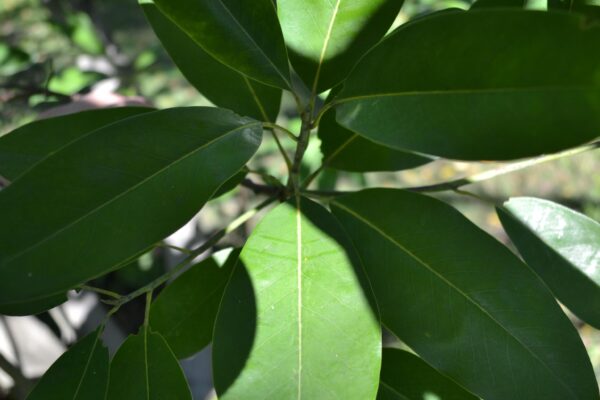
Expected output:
(484, 74)
(223, 86)
(95, 188)
(562, 247)
(466, 316)
(30, 144)
(82, 372)
(244, 36)
(297, 316)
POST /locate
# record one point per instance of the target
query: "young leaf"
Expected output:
(112, 194)
(463, 301)
(294, 321)
(406, 376)
(184, 313)
(145, 368)
(465, 85)
(244, 35)
(79, 374)
(221, 85)
(497, 4)
(348, 151)
(30, 144)
(563, 247)
(326, 38)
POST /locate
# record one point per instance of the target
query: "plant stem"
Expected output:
(173, 247)
(214, 239)
(505, 169)
(101, 291)
(303, 139)
(147, 309)
(272, 126)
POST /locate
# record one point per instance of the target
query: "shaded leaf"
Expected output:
(33, 307)
(231, 183)
(221, 85)
(124, 188)
(563, 247)
(294, 321)
(81, 373)
(406, 376)
(243, 35)
(145, 368)
(30, 144)
(185, 312)
(497, 4)
(465, 85)
(348, 151)
(463, 301)
(326, 38)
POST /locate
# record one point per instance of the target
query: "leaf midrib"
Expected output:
(326, 39)
(455, 288)
(127, 191)
(465, 91)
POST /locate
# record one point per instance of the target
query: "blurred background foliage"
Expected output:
(92, 53)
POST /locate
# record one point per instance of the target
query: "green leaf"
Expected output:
(294, 321)
(465, 85)
(406, 376)
(185, 312)
(244, 35)
(563, 247)
(326, 38)
(30, 144)
(348, 151)
(463, 301)
(112, 194)
(79, 374)
(497, 4)
(221, 85)
(33, 307)
(145, 368)
(231, 183)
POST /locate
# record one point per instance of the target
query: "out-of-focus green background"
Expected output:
(102, 52)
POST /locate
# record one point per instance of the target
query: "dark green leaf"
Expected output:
(33, 307)
(348, 151)
(145, 368)
(112, 194)
(79, 374)
(244, 35)
(497, 4)
(465, 85)
(563, 247)
(231, 183)
(221, 85)
(406, 376)
(30, 144)
(463, 301)
(326, 38)
(294, 321)
(185, 312)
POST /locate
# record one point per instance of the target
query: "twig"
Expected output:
(262, 189)
(100, 291)
(505, 169)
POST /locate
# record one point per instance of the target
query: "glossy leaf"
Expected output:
(294, 321)
(563, 247)
(326, 38)
(79, 374)
(497, 4)
(30, 144)
(463, 301)
(145, 368)
(244, 35)
(185, 312)
(465, 85)
(348, 151)
(221, 85)
(406, 376)
(121, 188)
